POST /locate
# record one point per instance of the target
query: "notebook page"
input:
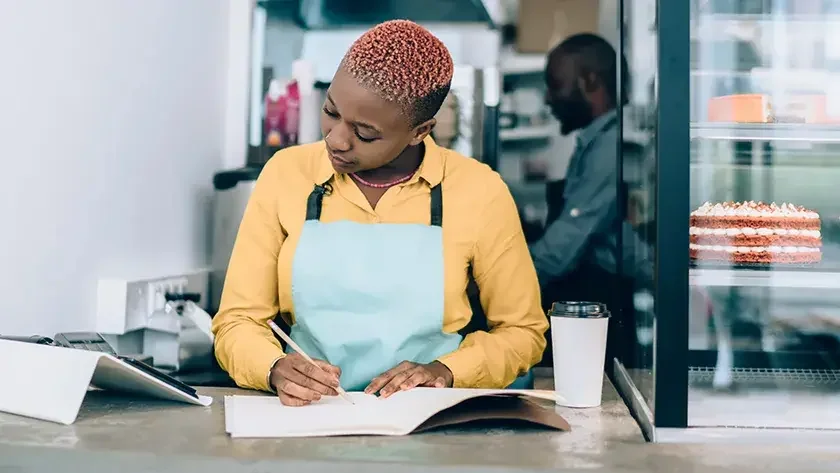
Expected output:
(265, 416)
(412, 408)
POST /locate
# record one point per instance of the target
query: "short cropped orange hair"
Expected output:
(404, 63)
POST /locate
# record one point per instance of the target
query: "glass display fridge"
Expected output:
(734, 204)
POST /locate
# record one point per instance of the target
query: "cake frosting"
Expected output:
(754, 209)
(755, 232)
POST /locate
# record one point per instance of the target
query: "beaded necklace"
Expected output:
(383, 185)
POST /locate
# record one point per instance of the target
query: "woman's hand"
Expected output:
(298, 382)
(409, 375)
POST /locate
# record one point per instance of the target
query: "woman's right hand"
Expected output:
(298, 382)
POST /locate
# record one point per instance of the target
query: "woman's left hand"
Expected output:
(409, 375)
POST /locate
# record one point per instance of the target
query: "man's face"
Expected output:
(565, 96)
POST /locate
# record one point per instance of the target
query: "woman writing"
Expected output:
(364, 243)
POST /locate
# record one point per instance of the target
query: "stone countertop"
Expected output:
(128, 434)
(114, 423)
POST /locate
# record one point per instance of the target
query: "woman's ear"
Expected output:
(422, 130)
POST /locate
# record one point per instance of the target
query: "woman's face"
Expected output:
(362, 130)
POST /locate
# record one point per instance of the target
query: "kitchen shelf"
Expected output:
(640, 137)
(766, 17)
(513, 63)
(766, 132)
(522, 133)
(530, 188)
(780, 278)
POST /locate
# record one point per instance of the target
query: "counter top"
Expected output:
(112, 423)
(155, 436)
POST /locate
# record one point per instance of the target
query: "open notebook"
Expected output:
(403, 413)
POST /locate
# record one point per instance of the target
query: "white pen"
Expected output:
(306, 357)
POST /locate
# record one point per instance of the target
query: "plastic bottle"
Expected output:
(275, 114)
(292, 117)
(309, 123)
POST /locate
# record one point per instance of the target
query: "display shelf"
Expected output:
(542, 132)
(767, 17)
(766, 132)
(528, 190)
(512, 62)
(770, 277)
(640, 137)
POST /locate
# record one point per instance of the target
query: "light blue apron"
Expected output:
(356, 306)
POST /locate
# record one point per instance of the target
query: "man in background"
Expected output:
(576, 256)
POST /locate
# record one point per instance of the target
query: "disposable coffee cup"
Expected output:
(579, 343)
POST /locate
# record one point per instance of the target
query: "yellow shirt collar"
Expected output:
(431, 169)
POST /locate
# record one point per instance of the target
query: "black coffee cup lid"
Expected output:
(579, 309)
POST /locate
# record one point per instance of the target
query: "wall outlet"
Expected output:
(125, 305)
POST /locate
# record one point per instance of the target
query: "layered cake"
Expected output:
(755, 232)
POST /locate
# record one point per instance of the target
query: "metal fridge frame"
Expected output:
(672, 208)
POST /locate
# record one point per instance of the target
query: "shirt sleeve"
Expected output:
(245, 346)
(510, 297)
(589, 208)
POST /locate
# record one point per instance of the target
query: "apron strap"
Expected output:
(436, 207)
(315, 201)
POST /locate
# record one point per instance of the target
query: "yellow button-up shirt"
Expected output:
(481, 227)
